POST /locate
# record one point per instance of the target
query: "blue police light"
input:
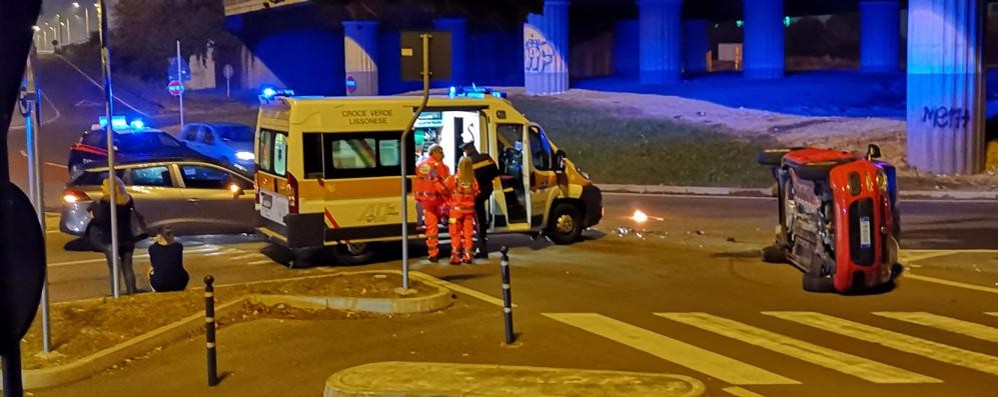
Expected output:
(116, 121)
(268, 92)
(475, 92)
(138, 124)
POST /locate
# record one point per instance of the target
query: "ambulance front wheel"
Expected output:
(565, 226)
(353, 254)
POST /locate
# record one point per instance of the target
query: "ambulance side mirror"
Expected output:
(559, 160)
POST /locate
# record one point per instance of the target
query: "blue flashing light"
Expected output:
(268, 92)
(116, 121)
(475, 92)
(137, 124)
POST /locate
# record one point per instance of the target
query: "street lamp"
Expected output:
(86, 15)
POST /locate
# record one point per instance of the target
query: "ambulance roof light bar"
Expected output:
(474, 92)
(269, 93)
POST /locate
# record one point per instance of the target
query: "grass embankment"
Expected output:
(620, 147)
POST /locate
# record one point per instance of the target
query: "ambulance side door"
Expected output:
(543, 181)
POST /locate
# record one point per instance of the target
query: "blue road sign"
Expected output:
(185, 70)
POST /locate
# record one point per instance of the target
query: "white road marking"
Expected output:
(260, 262)
(140, 256)
(950, 324)
(102, 86)
(894, 340)
(247, 256)
(704, 361)
(229, 251)
(57, 165)
(835, 360)
(995, 314)
(464, 290)
(740, 392)
(950, 283)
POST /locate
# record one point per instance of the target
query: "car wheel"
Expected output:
(353, 254)
(771, 157)
(815, 172)
(565, 226)
(812, 283)
(774, 254)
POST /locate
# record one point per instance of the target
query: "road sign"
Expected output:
(22, 272)
(227, 71)
(185, 70)
(351, 85)
(412, 56)
(175, 88)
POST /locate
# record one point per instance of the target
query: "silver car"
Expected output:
(192, 196)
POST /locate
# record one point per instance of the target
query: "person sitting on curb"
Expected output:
(166, 255)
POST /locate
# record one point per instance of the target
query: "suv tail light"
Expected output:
(73, 195)
(292, 194)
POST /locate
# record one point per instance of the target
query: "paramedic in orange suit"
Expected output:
(430, 193)
(461, 201)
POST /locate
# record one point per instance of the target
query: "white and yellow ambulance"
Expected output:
(329, 174)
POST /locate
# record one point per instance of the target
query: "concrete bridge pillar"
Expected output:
(360, 50)
(660, 33)
(764, 39)
(458, 39)
(880, 32)
(695, 45)
(946, 86)
(545, 50)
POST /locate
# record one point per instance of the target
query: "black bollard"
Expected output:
(507, 299)
(209, 318)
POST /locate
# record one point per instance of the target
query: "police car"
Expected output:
(133, 141)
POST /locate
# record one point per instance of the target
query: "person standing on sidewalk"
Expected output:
(166, 257)
(130, 229)
(463, 190)
(486, 172)
(430, 194)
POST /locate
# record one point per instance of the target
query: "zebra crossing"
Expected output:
(732, 370)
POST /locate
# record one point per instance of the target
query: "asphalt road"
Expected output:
(686, 294)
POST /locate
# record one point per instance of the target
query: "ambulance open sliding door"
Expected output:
(513, 200)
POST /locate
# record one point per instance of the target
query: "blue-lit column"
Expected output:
(880, 31)
(764, 33)
(458, 39)
(660, 30)
(945, 86)
(360, 50)
(695, 45)
(545, 50)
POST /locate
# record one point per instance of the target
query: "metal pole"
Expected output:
(69, 30)
(227, 92)
(12, 385)
(507, 298)
(32, 122)
(209, 324)
(180, 77)
(108, 111)
(86, 16)
(405, 160)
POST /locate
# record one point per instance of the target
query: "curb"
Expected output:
(415, 379)
(99, 361)
(768, 193)
(439, 300)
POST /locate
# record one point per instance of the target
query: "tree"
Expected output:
(145, 34)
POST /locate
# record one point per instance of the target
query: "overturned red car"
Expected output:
(838, 216)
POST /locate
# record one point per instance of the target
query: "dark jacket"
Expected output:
(168, 273)
(100, 226)
(485, 172)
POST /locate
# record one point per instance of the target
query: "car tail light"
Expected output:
(292, 194)
(72, 196)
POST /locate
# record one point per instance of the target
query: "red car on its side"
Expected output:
(838, 215)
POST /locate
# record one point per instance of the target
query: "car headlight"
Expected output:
(245, 156)
(583, 173)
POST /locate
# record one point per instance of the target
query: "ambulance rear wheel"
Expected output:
(353, 254)
(565, 225)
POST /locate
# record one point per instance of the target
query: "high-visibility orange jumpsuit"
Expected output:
(430, 193)
(461, 204)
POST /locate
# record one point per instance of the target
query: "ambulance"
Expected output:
(329, 169)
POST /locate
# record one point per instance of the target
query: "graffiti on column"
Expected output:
(943, 117)
(538, 54)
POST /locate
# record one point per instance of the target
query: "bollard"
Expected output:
(507, 299)
(209, 318)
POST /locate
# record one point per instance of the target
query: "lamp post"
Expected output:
(86, 16)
